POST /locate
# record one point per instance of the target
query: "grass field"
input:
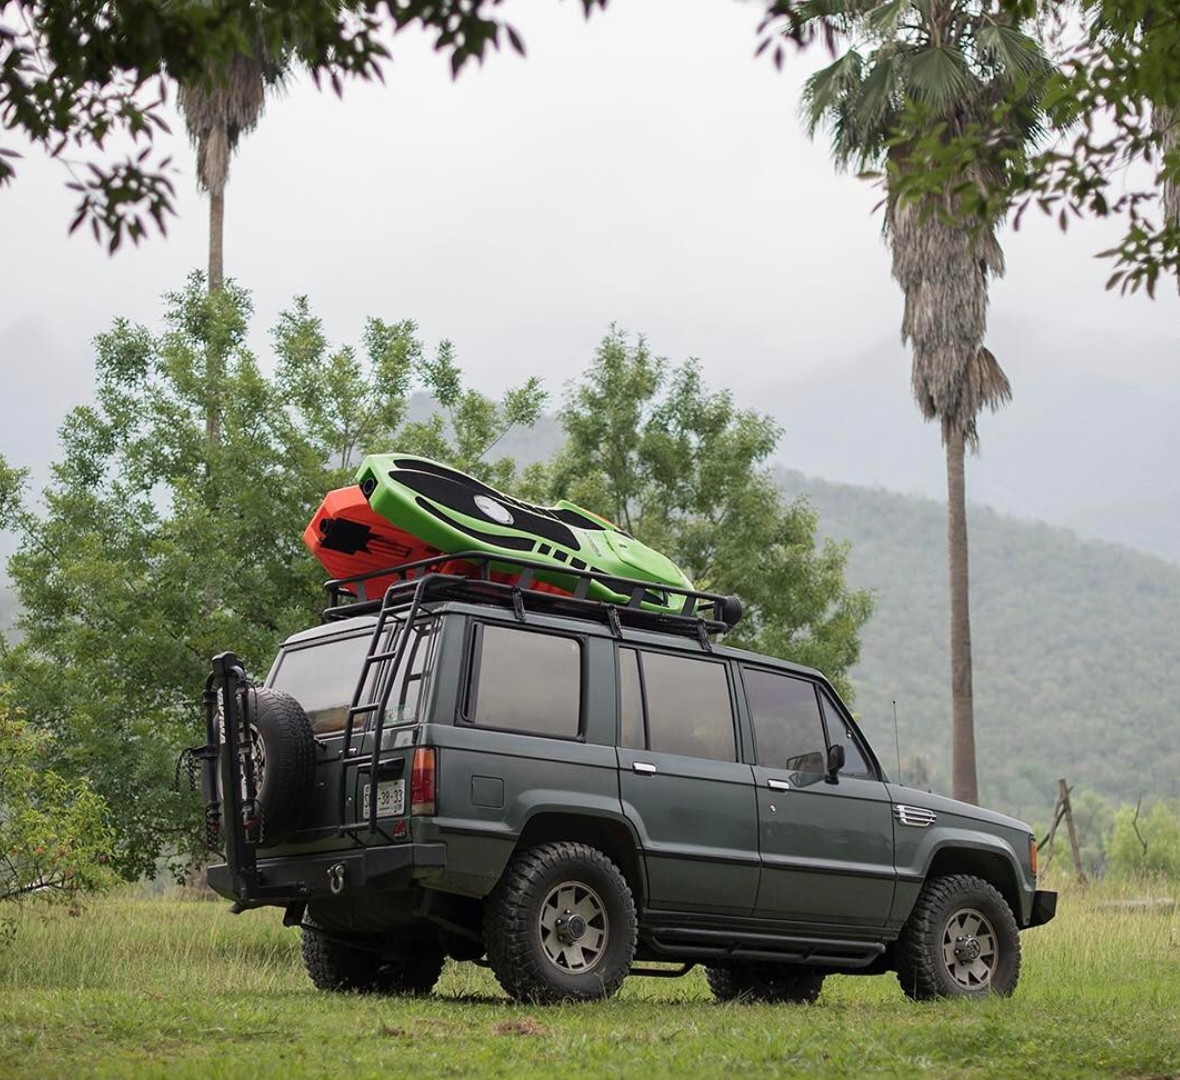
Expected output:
(162, 987)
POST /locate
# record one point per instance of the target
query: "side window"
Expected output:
(787, 727)
(688, 707)
(525, 681)
(630, 701)
(839, 732)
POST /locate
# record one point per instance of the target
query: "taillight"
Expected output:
(1032, 854)
(422, 781)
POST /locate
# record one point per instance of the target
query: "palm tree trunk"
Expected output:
(216, 234)
(1166, 123)
(213, 359)
(964, 781)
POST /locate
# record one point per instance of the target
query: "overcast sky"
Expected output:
(642, 168)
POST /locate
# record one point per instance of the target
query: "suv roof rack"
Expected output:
(700, 613)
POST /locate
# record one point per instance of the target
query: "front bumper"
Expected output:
(292, 878)
(1044, 907)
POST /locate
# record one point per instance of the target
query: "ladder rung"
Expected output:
(379, 657)
(356, 709)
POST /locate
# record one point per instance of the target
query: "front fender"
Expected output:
(955, 844)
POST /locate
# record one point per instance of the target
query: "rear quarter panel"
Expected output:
(490, 782)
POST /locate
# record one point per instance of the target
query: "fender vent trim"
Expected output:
(918, 816)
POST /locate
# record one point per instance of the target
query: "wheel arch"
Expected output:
(614, 837)
(992, 864)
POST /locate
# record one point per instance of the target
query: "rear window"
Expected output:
(322, 678)
(526, 681)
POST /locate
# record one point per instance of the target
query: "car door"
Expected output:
(826, 847)
(690, 798)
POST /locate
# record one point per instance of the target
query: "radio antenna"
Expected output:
(897, 743)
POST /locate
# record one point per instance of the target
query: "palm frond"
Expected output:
(880, 91)
(1013, 53)
(944, 271)
(227, 104)
(884, 20)
(939, 76)
(827, 88)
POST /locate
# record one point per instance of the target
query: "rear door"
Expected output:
(683, 786)
(827, 848)
(322, 675)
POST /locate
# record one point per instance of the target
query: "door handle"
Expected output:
(645, 767)
(778, 785)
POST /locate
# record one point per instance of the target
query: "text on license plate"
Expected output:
(391, 799)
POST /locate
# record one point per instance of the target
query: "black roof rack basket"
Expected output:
(436, 579)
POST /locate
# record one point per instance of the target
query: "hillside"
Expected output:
(1076, 644)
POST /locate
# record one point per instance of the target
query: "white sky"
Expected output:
(642, 168)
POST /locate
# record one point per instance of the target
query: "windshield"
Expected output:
(322, 678)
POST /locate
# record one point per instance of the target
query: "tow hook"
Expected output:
(336, 879)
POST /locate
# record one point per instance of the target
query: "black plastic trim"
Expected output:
(1044, 908)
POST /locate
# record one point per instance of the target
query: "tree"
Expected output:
(55, 834)
(155, 551)
(950, 63)
(1113, 102)
(218, 110)
(683, 469)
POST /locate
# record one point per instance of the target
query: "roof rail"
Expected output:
(699, 612)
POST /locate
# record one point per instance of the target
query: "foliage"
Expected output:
(75, 75)
(1111, 100)
(159, 988)
(1074, 647)
(55, 836)
(954, 62)
(683, 469)
(158, 550)
(1146, 844)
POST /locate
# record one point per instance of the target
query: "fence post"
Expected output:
(1063, 790)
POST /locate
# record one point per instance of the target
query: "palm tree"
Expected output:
(941, 65)
(218, 111)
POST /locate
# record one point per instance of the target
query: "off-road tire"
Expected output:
(334, 965)
(921, 967)
(777, 983)
(288, 775)
(512, 924)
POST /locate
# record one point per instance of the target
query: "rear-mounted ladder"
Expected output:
(386, 653)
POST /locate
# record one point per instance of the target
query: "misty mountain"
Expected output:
(1075, 645)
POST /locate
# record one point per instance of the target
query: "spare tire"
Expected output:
(284, 762)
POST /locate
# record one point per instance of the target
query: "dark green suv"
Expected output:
(569, 790)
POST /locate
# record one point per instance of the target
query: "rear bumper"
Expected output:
(1044, 907)
(292, 878)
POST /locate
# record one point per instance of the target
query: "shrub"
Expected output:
(55, 835)
(1145, 844)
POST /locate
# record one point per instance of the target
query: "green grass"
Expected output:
(169, 988)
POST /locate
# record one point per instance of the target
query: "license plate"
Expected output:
(391, 799)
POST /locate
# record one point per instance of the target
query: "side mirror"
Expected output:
(835, 762)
